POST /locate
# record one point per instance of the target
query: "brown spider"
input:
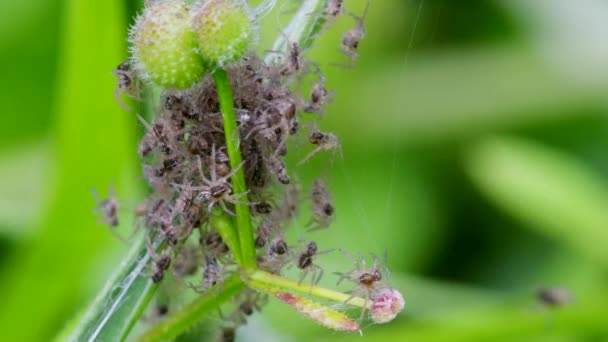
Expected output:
(158, 135)
(323, 141)
(266, 229)
(160, 263)
(306, 263)
(351, 39)
(277, 256)
(293, 60)
(323, 210)
(318, 97)
(185, 207)
(276, 122)
(261, 208)
(107, 208)
(212, 273)
(278, 167)
(289, 204)
(334, 8)
(169, 231)
(248, 303)
(186, 263)
(215, 190)
(368, 280)
(226, 334)
(127, 84)
(213, 244)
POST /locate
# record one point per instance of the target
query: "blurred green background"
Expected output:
(474, 137)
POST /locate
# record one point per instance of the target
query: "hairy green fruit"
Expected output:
(163, 47)
(224, 30)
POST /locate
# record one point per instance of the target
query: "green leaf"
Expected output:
(550, 191)
(123, 299)
(92, 147)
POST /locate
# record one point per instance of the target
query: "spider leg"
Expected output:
(350, 257)
(310, 155)
(320, 272)
(318, 227)
(212, 203)
(144, 122)
(233, 171)
(255, 128)
(326, 251)
(342, 276)
(189, 187)
(150, 248)
(223, 205)
(302, 276)
(213, 171)
(197, 289)
(337, 149)
(230, 200)
(364, 309)
(362, 261)
(200, 170)
(120, 101)
(367, 299)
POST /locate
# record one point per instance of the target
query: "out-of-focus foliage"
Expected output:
(474, 141)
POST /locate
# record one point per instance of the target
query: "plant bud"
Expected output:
(163, 47)
(224, 30)
(387, 304)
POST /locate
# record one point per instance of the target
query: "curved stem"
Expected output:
(182, 320)
(243, 219)
(265, 280)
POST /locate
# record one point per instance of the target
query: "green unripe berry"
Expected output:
(163, 47)
(224, 30)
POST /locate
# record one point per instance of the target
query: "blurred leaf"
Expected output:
(92, 147)
(550, 191)
(457, 93)
(22, 188)
(19, 17)
(28, 53)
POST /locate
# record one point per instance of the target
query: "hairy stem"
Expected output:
(243, 219)
(264, 280)
(191, 314)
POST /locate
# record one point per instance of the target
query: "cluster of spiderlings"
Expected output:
(186, 164)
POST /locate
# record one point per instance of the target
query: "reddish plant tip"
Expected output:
(325, 316)
(387, 303)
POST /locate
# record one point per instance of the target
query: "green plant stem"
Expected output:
(182, 320)
(224, 225)
(265, 280)
(243, 219)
